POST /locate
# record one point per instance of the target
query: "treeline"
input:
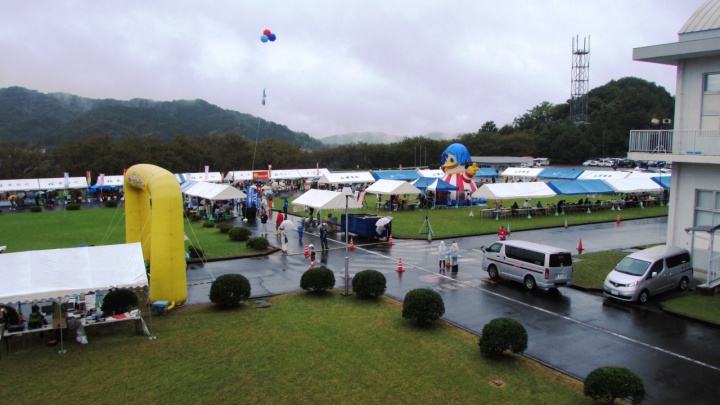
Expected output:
(545, 130)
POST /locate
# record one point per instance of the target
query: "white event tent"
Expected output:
(114, 181)
(392, 187)
(58, 273)
(514, 190)
(526, 172)
(59, 183)
(636, 185)
(325, 200)
(602, 175)
(214, 177)
(19, 185)
(346, 178)
(211, 191)
(434, 173)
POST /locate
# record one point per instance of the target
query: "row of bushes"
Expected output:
(75, 207)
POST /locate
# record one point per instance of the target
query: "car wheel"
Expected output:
(493, 272)
(530, 283)
(683, 284)
(644, 296)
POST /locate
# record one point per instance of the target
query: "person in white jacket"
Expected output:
(442, 252)
(454, 252)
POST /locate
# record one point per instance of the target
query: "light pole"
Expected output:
(347, 192)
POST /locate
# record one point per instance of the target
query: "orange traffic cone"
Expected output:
(352, 244)
(307, 252)
(400, 269)
(390, 242)
(580, 248)
(617, 221)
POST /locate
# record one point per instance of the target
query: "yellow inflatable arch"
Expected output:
(158, 225)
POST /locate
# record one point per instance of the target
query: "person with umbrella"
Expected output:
(285, 228)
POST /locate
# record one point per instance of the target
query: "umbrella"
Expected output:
(287, 225)
(383, 221)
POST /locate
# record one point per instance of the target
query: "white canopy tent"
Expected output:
(285, 175)
(59, 273)
(211, 191)
(239, 175)
(430, 173)
(525, 172)
(19, 185)
(326, 200)
(312, 173)
(637, 185)
(514, 190)
(115, 181)
(346, 178)
(214, 177)
(393, 187)
(602, 175)
(644, 175)
(59, 183)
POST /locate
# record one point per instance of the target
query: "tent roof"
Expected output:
(513, 190)
(58, 183)
(312, 173)
(346, 178)
(211, 191)
(392, 187)
(637, 185)
(566, 174)
(521, 172)
(404, 175)
(325, 199)
(19, 185)
(285, 175)
(51, 274)
(118, 181)
(486, 172)
(425, 183)
(211, 176)
(602, 174)
(430, 173)
(575, 187)
(663, 181)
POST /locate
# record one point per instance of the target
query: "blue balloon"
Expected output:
(272, 37)
(264, 38)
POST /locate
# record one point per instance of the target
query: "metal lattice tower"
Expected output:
(580, 80)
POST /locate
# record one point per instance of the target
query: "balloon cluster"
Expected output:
(268, 36)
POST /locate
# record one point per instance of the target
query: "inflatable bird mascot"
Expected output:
(456, 164)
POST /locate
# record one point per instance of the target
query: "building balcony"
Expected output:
(683, 146)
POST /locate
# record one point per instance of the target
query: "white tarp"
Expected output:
(211, 191)
(528, 172)
(57, 273)
(514, 190)
(602, 175)
(346, 178)
(326, 200)
(383, 186)
(636, 185)
(19, 185)
(430, 173)
(59, 183)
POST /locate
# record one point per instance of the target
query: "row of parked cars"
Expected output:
(627, 163)
(637, 277)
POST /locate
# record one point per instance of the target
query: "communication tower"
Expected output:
(580, 80)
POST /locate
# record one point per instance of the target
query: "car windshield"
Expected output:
(632, 266)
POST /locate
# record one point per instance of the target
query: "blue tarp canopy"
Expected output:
(404, 175)
(575, 187)
(486, 172)
(433, 184)
(563, 174)
(663, 181)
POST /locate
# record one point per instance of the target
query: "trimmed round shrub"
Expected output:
(223, 227)
(239, 233)
(118, 302)
(196, 252)
(369, 283)
(111, 203)
(609, 383)
(35, 209)
(502, 334)
(258, 243)
(72, 207)
(317, 279)
(209, 224)
(423, 306)
(229, 290)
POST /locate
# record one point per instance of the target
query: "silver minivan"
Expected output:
(533, 264)
(649, 272)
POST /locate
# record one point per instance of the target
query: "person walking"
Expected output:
(442, 253)
(263, 223)
(285, 207)
(278, 221)
(323, 236)
(502, 233)
(454, 252)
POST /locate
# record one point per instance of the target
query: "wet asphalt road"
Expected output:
(572, 331)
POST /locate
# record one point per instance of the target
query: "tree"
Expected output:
(489, 126)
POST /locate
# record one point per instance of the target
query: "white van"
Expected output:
(532, 264)
(649, 272)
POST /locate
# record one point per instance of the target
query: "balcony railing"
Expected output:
(680, 142)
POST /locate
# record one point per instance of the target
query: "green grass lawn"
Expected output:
(706, 307)
(590, 269)
(358, 351)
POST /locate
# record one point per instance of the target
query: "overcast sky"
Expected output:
(337, 66)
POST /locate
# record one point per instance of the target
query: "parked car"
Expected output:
(533, 264)
(590, 163)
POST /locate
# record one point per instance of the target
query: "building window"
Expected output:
(710, 119)
(707, 208)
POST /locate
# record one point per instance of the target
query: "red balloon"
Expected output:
(266, 32)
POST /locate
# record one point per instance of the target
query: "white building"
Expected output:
(693, 146)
